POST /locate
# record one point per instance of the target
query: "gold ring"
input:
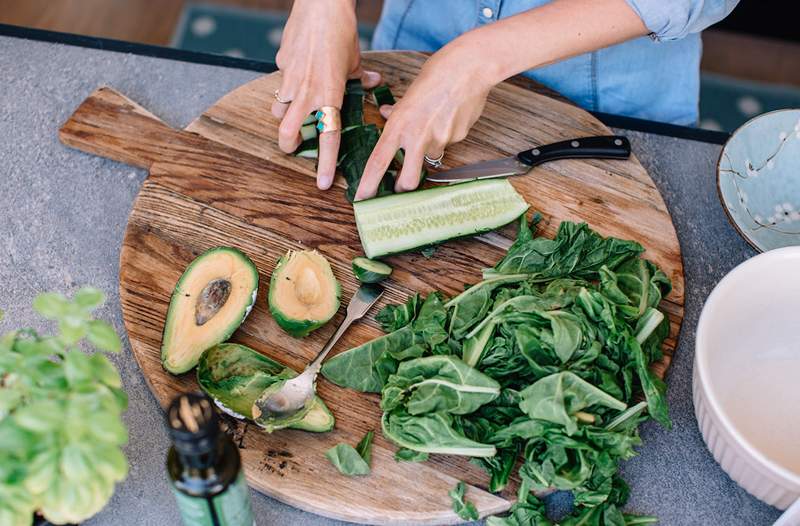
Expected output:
(279, 99)
(328, 119)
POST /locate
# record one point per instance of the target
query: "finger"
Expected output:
(409, 174)
(289, 131)
(370, 79)
(378, 162)
(279, 109)
(386, 110)
(326, 163)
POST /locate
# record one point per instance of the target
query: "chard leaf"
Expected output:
(347, 460)
(463, 508)
(431, 433)
(556, 398)
(364, 447)
(394, 317)
(653, 387)
(409, 455)
(438, 384)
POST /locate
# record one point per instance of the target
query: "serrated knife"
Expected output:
(599, 147)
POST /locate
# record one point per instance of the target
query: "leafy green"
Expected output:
(409, 455)
(364, 447)
(559, 397)
(431, 433)
(463, 508)
(543, 364)
(61, 429)
(347, 460)
(438, 383)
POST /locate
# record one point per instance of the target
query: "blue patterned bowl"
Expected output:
(758, 177)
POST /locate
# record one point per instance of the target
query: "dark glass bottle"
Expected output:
(204, 466)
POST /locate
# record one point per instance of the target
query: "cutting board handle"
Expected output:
(111, 125)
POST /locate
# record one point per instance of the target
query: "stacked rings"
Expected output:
(435, 163)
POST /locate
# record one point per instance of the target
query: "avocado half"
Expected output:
(211, 300)
(303, 292)
(235, 376)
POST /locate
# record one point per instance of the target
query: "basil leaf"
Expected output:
(347, 460)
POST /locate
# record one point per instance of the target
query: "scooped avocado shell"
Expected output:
(303, 292)
(211, 300)
(235, 376)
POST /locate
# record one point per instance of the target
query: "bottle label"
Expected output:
(232, 507)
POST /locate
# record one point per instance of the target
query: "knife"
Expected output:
(600, 147)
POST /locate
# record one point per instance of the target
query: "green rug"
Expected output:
(725, 103)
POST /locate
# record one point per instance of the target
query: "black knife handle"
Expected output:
(602, 147)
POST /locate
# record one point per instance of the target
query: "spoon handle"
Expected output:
(362, 300)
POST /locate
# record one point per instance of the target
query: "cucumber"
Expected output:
(402, 222)
(308, 131)
(370, 271)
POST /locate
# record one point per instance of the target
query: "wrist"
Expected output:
(472, 61)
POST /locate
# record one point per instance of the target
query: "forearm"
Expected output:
(547, 34)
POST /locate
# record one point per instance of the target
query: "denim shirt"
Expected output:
(655, 77)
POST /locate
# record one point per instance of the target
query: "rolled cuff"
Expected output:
(674, 19)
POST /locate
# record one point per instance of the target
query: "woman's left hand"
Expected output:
(438, 109)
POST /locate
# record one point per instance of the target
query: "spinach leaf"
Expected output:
(527, 511)
(364, 447)
(438, 383)
(393, 317)
(358, 368)
(558, 397)
(409, 455)
(463, 508)
(347, 460)
(653, 387)
(431, 433)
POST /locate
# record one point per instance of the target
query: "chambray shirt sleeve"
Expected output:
(674, 19)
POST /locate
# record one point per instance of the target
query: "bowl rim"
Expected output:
(700, 347)
(723, 203)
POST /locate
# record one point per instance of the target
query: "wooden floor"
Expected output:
(153, 22)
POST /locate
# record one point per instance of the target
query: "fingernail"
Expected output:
(372, 76)
(324, 182)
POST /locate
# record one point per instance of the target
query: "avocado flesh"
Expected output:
(303, 292)
(235, 376)
(211, 300)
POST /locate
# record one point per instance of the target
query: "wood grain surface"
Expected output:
(223, 181)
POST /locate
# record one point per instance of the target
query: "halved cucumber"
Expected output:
(401, 222)
(370, 271)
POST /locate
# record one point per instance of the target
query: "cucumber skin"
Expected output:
(371, 253)
(366, 275)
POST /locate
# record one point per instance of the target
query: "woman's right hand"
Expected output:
(319, 52)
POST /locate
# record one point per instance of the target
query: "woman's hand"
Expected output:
(438, 109)
(319, 52)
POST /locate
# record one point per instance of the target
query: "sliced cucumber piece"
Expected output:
(401, 222)
(370, 271)
(308, 148)
(308, 131)
(311, 119)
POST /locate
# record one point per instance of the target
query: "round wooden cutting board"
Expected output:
(223, 181)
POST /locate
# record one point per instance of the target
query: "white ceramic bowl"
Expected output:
(746, 378)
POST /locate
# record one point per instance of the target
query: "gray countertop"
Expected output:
(63, 214)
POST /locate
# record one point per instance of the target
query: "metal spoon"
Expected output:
(295, 393)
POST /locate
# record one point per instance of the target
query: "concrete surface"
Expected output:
(63, 214)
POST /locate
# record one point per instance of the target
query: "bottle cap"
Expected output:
(192, 424)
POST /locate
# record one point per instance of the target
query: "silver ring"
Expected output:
(279, 99)
(435, 163)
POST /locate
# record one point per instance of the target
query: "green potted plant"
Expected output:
(60, 415)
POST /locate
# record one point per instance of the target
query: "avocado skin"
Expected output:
(173, 306)
(294, 327)
(230, 367)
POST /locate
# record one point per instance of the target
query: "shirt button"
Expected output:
(487, 12)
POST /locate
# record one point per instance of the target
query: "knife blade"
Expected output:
(600, 147)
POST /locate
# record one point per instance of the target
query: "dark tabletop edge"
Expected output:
(107, 44)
